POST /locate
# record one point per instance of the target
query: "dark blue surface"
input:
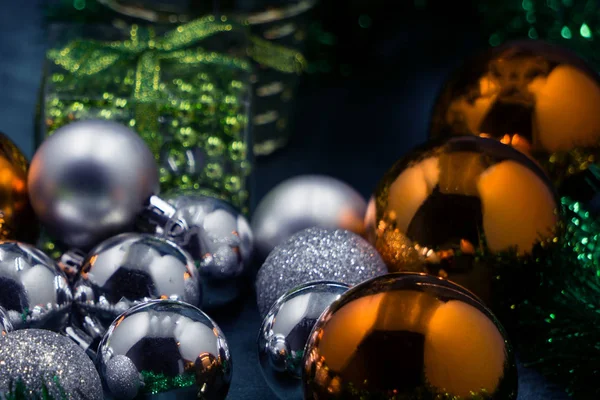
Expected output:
(352, 129)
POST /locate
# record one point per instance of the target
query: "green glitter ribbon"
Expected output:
(155, 383)
(559, 332)
(88, 57)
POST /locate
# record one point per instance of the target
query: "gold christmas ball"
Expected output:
(539, 98)
(469, 209)
(408, 336)
(17, 219)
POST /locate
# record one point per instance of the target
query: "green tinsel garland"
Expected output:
(19, 391)
(158, 383)
(559, 329)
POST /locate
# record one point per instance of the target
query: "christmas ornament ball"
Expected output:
(17, 219)
(537, 97)
(34, 292)
(469, 209)
(90, 180)
(285, 330)
(409, 336)
(303, 202)
(220, 241)
(167, 350)
(316, 254)
(129, 269)
(39, 364)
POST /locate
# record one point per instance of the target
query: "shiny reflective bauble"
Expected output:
(90, 180)
(303, 202)
(315, 254)
(17, 219)
(459, 207)
(173, 349)
(34, 292)
(5, 324)
(129, 269)
(285, 330)
(408, 336)
(541, 99)
(39, 364)
(220, 241)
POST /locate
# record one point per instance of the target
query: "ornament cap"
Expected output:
(161, 215)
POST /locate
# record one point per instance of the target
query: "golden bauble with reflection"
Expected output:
(17, 219)
(539, 98)
(408, 336)
(468, 209)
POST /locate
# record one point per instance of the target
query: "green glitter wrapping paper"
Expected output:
(559, 328)
(185, 89)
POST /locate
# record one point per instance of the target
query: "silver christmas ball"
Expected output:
(220, 241)
(285, 331)
(39, 364)
(129, 269)
(34, 292)
(90, 180)
(178, 353)
(5, 324)
(316, 254)
(122, 378)
(303, 202)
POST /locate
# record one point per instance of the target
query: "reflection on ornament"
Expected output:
(304, 202)
(284, 333)
(455, 208)
(175, 349)
(129, 269)
(34, 292)
(39, 364)
(17, 219)
(219, 240)
(541, 99)
(370, 218)
(5, 324)
(408, 336)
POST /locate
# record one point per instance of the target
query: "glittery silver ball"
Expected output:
(129, 269)
(122, 377)
(90, 180)
(179, 352)
(34, 359)
(34, 292)
(220, 241)
(5, 324)
(303, 202)
(285, 331)
(316, 254)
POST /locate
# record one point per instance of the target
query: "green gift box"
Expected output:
(184, 88)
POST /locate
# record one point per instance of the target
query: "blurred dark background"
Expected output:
(374, 70)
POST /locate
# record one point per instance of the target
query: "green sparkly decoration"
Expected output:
(572, 24)
(189, 103)
(155, 383)
(560, 327)
(19, 391)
